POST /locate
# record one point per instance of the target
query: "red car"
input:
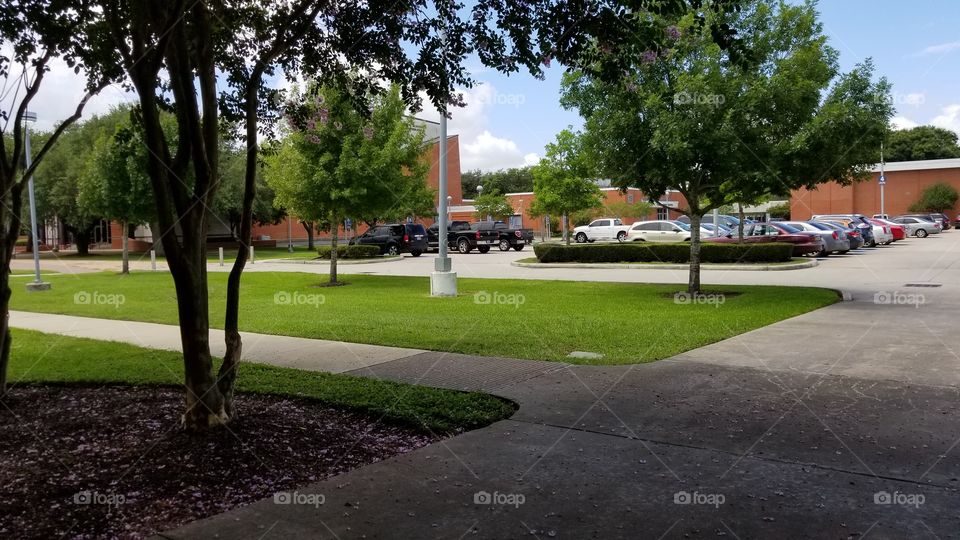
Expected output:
(896, 229)
(804, 243)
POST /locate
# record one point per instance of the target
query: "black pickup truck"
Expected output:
(462, 238)
(507, 236)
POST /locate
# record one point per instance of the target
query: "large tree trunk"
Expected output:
(10, 214)
(334, 233)
(81, 238)
(563, 223)
(693, 282)
(125, 242)
(308, 225)
(157, 243)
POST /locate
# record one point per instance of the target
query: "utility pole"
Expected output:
(882, 182)
(37, 284)
(443, 280)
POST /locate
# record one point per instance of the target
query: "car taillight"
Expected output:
(518, 233)
(477, 235)
(835, 235)
(406, 238)
(854, 234)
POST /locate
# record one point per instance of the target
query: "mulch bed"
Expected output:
(82, 462)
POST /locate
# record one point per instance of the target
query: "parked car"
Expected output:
(881, 233)
(508, 237)
(918, 226)
(659, 230)
(730, 222)
(804, 243)
(707, 229)
(858, 220)
(601, 229)
(461, 237)
(851, 231)
(396, 238)
(942, 219)
(956, 222)
(834, 241)
(896, 229)
(880, 216)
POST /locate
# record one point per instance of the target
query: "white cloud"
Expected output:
(942, 48)
(902, 122)
(531, 159)
(949, 118)
(479, 147)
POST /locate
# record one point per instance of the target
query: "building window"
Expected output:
(630, 198)
(662, 213)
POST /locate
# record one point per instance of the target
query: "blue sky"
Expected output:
(916, 45)
(508, 120)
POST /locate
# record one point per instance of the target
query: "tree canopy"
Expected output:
(513, 180)
(563, 180)
(697, 119)
(921, 142)
(938, 197)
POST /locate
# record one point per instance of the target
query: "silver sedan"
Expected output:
(918, 227)
(833, 241)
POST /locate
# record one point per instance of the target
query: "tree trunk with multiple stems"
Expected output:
(308, 225)
(10, 218)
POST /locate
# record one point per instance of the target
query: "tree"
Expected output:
(720, 128)
(513, 180)
(33, 33)
(339, 163)
(921, 142)
(115, 185)
(493, 205)
(228, 204)
(562, 181)
(937, 197)
(780, 210)
(623, 209)
(205, 60)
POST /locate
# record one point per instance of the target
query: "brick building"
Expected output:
(905, 180)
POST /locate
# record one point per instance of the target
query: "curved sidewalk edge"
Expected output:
(659, 266)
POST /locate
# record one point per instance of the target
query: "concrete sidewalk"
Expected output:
(283, 351)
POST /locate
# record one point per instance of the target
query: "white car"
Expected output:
(601, 229)
(657, 231)
(882, 234)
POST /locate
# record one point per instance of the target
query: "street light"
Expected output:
(449, 200)
(443, 281)
(37, 284)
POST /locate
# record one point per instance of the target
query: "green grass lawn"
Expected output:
(46, 358)
(628, 323)
(229, 254)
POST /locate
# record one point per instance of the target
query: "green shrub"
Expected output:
(666, 253)
(350, 252)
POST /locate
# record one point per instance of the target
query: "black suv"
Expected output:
(395, 239)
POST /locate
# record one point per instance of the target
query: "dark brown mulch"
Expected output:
(82, 462)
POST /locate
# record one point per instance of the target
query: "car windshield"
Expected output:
(820, 226)
(789, 228)
(682, 225)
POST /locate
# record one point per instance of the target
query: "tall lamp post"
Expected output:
(37, 284)
(882, 182)
(443, 280)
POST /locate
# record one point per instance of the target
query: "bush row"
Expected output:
(350, 252)
(666, 252)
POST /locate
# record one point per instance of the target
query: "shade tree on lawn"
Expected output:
(338, 163)
(492, 205)
(207, 62)
(563, 181)
(721, 128)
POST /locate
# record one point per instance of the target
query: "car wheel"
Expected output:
(581, 238)
(621, 236)
(483, 249)
(844, 252)
(463, 246)
(416, 253)
(518, 248)
(921, 233)
(822, 253)
(504, 245)
(393, 250)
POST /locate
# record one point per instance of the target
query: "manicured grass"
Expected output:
(229, 254)
(534, 319)
(46, 358)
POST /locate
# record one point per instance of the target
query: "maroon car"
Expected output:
(804, 243)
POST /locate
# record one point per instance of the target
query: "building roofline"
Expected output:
(919, 165)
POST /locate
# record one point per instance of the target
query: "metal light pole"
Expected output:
(882, 182)
(443, 281)
(37, 284)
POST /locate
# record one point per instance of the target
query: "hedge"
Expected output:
(350, 252)
(665, 252)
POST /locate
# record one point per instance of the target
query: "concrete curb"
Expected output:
(646, 266)
(327, 261)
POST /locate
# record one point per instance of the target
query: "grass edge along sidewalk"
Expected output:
(39, 358)
(530, 319)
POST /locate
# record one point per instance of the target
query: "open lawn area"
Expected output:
(46, 358)
(547, 320)
(229, 254)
